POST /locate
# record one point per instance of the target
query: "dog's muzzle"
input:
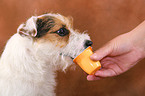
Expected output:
(87, 43)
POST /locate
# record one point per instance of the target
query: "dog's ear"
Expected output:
(69, 19)
(29, 28)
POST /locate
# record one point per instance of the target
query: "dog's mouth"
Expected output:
(66, 56)
(71, 55)
(72, 58)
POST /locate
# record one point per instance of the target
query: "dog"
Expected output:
(41, 46)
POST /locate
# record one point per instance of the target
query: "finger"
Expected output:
(101, 53)
(93, 77)
(105, 73)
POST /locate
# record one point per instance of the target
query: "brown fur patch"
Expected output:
(53, 37)
(44, 24)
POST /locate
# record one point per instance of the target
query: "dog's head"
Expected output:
(54, 39)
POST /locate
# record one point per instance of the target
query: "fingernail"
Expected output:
(94, 56)
(92, 78)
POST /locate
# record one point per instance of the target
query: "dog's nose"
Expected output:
(88, 43)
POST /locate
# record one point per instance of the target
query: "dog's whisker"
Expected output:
(66, 64)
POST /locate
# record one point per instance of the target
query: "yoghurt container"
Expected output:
(84, 61)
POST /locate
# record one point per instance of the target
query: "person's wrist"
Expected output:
(138, 41)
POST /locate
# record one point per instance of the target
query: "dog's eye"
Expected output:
(62, 32)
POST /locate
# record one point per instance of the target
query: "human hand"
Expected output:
(118, 55)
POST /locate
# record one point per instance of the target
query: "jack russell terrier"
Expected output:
(41, 46)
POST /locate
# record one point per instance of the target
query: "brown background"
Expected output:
(103, 19)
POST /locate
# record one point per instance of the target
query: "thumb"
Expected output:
(102, 52)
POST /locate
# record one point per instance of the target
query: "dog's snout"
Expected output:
(88, 43)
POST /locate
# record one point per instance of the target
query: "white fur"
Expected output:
(27, 68)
